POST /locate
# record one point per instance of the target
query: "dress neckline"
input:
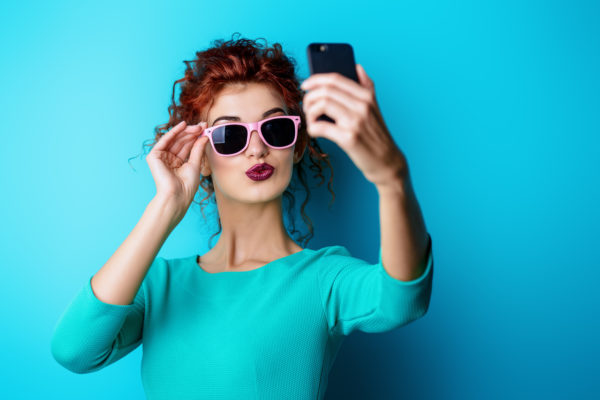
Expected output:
(196, 257)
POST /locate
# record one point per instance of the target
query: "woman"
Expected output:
(257, 316)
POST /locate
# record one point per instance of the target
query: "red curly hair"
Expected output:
(242, 60)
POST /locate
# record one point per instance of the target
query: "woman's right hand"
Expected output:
(175, 162)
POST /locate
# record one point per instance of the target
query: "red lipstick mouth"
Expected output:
(259, 172)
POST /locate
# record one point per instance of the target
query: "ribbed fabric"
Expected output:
(268, 333)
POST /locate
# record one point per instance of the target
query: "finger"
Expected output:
(184, 147)
(167, 138)
(340, 113)
(185, 151)
(327, 130)
(337, 80)
(158, 166)
(198, 151)
(182, 141)
(164, 161)
(191, 132)
(334, 93)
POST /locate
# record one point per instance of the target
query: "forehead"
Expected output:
(246, 100)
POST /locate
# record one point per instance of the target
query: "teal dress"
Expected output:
(267, 333)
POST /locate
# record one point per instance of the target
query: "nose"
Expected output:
(256, 146)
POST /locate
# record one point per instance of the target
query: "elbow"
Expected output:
(424, 307)
(422, 304)
(421, 311)
(416, 310)
(417, 313)
(67, 355)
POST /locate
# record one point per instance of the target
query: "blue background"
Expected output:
(496, 105)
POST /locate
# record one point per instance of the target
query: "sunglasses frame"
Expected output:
(254, 126)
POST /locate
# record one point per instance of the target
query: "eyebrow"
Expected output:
(236, 118)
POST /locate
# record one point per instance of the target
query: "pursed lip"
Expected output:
(259, 168)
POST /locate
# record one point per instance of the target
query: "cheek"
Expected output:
(216, 161)
(287, 163)
(218, 165)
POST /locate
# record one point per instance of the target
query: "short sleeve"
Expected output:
(357, 295)
(92, 334)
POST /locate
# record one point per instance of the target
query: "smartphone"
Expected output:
(331, 57)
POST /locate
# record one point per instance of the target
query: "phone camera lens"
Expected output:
(323, 47)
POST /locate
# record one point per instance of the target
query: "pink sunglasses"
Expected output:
(231, 139)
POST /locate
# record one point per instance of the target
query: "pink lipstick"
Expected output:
(259, 172)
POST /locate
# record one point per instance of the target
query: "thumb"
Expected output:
(363, 77)
(198, 151)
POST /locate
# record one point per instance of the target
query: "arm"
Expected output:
(404, 237)
(105, 319)
(91, 334)
(120, 278)
(377, 298)
(356, 295)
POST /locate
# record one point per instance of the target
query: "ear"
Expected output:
(298, 157)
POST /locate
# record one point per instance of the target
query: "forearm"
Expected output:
(118, 281)
(404, 237)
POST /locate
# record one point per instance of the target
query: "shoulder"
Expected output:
(335, 257)
(338, 252)
(162, 268)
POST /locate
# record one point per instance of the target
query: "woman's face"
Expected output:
(249, 102)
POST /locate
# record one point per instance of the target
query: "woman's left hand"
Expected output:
(359, 128)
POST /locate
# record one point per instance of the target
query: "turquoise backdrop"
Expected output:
(495, 103)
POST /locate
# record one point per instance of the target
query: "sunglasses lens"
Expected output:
(229, 139)
(279, 132)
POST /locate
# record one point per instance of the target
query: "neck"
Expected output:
(251, 232)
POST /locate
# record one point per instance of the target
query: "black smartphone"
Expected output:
(331, 57)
